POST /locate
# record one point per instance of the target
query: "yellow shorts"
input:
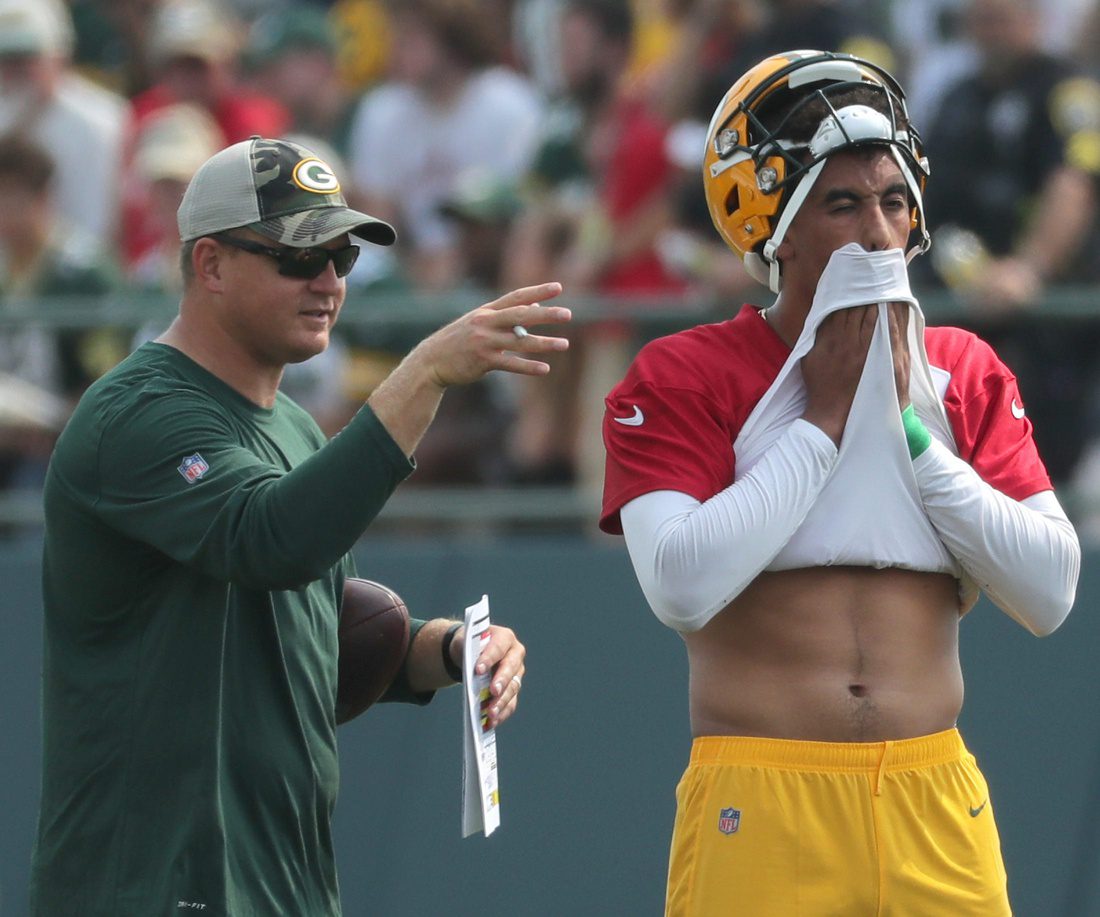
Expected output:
(778, 828)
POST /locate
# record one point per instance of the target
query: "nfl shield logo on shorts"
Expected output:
(193, 467)
(729, 820)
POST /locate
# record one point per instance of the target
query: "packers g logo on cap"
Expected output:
(316, 176)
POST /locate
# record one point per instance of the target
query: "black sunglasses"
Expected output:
(301, 263)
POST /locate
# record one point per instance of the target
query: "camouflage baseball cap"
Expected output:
(276, 188)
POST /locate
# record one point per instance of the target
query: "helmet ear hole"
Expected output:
(733, 201)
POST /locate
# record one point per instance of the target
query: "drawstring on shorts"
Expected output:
(881, 769)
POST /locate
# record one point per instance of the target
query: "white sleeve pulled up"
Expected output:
(692, 559)
(1024, 554)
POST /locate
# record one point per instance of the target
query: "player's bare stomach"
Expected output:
(837, 654)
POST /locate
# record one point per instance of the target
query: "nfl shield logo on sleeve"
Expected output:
(729, 820)
(193, 467)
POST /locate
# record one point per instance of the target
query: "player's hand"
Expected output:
(833, 367)
(898, 315)
(495, 336)
(504, 657)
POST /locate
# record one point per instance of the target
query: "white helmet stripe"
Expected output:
(840, 71)
(717, 168)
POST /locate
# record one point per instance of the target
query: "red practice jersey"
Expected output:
(672, 421)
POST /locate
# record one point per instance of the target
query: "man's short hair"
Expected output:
(26, 162)
(805, 121)
(615, 18)
(466, 28)
(187, 269)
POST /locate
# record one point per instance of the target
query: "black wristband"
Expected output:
(448, 663)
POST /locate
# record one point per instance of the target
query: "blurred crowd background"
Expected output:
(516, 141)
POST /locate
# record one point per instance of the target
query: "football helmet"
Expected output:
(756, 174)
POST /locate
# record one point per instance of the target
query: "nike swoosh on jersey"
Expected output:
(974, 813)
(1017, 411)
(636, 420)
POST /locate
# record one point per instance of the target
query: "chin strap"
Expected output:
(914, 189)
(798, 196)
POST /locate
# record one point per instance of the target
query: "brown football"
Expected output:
(374, 638)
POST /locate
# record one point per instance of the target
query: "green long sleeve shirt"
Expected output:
(195, 551)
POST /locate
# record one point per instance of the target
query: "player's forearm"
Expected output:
(1026, 556)
(692, 559)
(406, 402)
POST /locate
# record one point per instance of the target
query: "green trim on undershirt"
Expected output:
(917, 436)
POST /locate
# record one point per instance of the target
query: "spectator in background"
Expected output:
(483, 207)
(1017, 148)
(169, 147)
(1062, 23)
(688, 247)
(536, 39)
(112, 38)
(1086, 39)
(195, 47)
(466, 442)
(720, 39)
(291, 53)
(709, 34)
(40, 257)
(81, 124)
(447, 106)
(851, 28)
(1032, 122)
(365, 36)
(613, 144)
(601, 196)
(931, 41)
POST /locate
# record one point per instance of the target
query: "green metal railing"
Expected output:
(409, 312)
(409, 316)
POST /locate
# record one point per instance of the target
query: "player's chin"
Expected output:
(307, 345)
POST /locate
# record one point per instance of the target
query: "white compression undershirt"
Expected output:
(1024, 554)
(692, 559)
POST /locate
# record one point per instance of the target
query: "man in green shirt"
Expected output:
(197, 536)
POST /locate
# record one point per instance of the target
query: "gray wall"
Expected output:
(589, 766)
